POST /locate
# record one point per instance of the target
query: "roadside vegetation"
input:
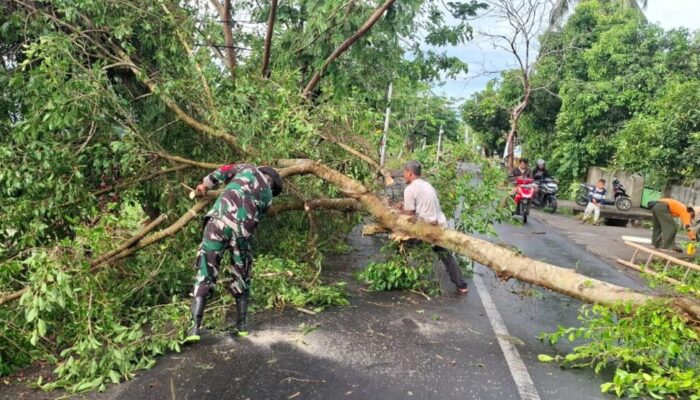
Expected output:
(110, 111)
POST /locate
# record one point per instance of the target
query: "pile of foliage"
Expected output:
(410, 269)
(653, 350)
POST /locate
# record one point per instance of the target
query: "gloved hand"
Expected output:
(692, 234)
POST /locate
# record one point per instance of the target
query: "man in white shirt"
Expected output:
(420, 199)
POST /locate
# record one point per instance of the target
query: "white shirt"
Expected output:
(421, 197)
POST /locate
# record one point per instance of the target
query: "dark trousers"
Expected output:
(451, 265)
(664, 227)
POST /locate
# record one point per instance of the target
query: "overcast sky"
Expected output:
(483, 58)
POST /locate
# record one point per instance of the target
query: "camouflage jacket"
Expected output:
(245, 199)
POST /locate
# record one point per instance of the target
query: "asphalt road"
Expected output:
(393, 345)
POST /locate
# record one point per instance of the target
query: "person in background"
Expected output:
(663, 234)
(420, 199)
(595, 199)
(522, 171)
(539, 173)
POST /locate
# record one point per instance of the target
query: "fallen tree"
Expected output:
(504, 262)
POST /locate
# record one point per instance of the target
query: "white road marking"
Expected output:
(526, 388)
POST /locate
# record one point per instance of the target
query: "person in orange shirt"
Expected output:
(664, 230)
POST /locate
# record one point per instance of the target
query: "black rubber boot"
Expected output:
(242, 315)
(198, 304)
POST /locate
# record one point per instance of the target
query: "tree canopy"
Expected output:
(618, 92)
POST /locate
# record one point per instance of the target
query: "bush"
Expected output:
(653, 350)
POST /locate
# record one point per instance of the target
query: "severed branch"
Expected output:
(316, 78)
(131, 241)
(155, 237)
(182, 160)
(503, 261)
(142, 179)
(13, 296)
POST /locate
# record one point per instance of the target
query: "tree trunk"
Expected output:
(268, 39)
(385, 131)
(228, 37)
(515, 120)
(505, 263)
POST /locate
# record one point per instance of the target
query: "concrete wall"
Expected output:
(685, 194)
(633, 183)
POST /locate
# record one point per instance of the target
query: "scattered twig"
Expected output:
(420, 293)
(289, 379)
(306, 311)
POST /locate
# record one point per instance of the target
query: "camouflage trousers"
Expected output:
(217, 239)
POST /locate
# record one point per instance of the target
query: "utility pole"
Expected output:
(466, 134)
(439, 146)
(382, 151)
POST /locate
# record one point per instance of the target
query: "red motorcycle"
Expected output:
(524, 190)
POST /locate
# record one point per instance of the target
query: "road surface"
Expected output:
(393, 345)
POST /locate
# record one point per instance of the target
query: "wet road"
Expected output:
(395, 345)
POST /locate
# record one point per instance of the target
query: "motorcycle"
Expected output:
(524, 190)
(621, 199)
(546, 197)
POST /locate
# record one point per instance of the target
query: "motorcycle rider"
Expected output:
(521, 172)
(539, 173)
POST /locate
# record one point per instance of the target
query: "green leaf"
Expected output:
(41, 326)
(545, 358)
(114, 376)
(605, 388)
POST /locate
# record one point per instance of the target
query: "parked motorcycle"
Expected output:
(546, 197)
(524, 190)
(621, 199)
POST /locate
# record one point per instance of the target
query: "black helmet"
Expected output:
(275, 179)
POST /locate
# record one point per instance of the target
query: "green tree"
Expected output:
(561, 8)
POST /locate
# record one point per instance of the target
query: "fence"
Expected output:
(633, 183)
(685, 194)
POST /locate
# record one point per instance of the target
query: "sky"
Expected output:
(486, 62)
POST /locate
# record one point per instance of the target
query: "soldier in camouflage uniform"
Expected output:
(229, 225)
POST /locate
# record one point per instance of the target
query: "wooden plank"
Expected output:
(655, 274)
(664, 256)
(651, 257)
(636, 239)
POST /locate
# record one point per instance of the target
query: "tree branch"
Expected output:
(268, 39)
(316, 78)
